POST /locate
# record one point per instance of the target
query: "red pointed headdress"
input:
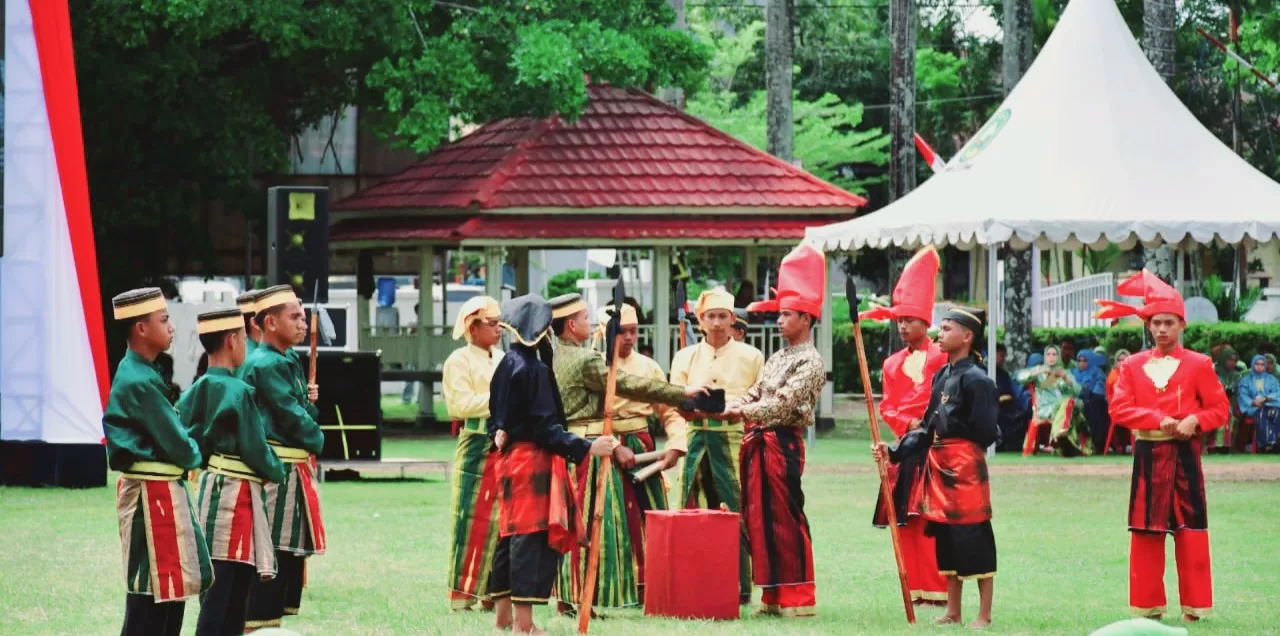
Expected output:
(802, 281)
(1158, 297)
(914, 294)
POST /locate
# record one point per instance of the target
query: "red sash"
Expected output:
(537, 496)
(955, 488)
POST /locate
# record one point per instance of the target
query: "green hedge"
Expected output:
(1246, 338)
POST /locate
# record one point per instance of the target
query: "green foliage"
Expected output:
(826, 131)
(1230, 308)
(566, 282)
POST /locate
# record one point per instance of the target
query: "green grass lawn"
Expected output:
(1061, 535)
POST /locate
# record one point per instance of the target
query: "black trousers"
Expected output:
(524, 568)
(145, 617)
(269, 600)
(967, 551)
(222, 606)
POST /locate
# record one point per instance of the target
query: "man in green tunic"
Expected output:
(166, 560)
(581, 375)
(248, 303)
(288, 405)
(220, 413)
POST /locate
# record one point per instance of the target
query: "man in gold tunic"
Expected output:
(467, 374)
(581, 375)
(710, 474)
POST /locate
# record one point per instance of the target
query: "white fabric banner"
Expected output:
(48, 388)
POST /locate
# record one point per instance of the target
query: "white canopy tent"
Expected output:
(1091, 148)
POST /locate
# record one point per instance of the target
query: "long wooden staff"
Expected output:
(315, 316)
(886, 489)
(605, 471)
(682, 297)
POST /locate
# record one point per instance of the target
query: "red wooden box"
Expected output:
(691, 564)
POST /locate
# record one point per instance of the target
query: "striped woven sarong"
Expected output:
(474, 532)
(777, 528)
(233, 519)
(710, 478)
(165, 555)
(293, 510)
(621, 573)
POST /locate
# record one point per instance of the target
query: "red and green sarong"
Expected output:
(165, 555)
(293, 509)
(620, 579)
(474, 531)
(233, 518)
(710, 478)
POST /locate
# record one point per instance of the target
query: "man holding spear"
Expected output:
(287, 399)
(959, 424)
(581, 375)
(777, 409)
(907, 381)
(536, 518)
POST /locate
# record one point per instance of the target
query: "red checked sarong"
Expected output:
(955, 488)
(535, 495)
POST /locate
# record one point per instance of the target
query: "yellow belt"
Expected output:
(289, 454)
(475, 424)
(154, 471)
(231, 466)
(586, 428)
(718, 426)
(1154, 435)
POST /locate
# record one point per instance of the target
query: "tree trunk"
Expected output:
(902, 121)
(1017, 263)
(1159, 20)
(777, 61)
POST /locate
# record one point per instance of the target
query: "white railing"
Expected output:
(1070, 304)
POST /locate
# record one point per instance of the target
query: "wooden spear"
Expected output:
(886, 488)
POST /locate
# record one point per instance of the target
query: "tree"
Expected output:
(1019, 270)
(185, 102)
(778, 46)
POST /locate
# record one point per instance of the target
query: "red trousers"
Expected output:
(918, 553)
(1146, 573)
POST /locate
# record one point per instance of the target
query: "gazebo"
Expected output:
(632, 172)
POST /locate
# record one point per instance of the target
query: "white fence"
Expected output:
(1070, 304)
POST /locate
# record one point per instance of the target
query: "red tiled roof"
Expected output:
(629, 149)
(568, 226)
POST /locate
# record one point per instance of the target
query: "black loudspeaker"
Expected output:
(350, 403)
(298, 240)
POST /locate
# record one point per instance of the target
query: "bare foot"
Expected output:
(1189, 618)
(533, 631)
(566, 609)
(947, 619)
(980, 623)
(502, 625)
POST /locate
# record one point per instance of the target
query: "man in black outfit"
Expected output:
(960, 423)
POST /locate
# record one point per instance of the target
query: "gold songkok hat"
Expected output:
(566, 305)
(274, 297)
(248, 302)
(220, 320)
(713, 299)
(476, 308)
(138, 302)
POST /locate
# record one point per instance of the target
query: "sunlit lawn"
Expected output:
(1062, 541)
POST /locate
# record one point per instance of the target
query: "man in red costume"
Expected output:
(1168, 397)
(907, 380)
(777, 409)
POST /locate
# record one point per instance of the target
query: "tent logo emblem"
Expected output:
(981, 140)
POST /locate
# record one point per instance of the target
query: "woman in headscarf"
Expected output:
(1271, 365)
(1118, 435)
(1092, 381)
(1054, 388)
(1259, 401)
(1229, 375)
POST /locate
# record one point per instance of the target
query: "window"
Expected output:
(314, 152)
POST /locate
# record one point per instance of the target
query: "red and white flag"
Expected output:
(930, 157)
